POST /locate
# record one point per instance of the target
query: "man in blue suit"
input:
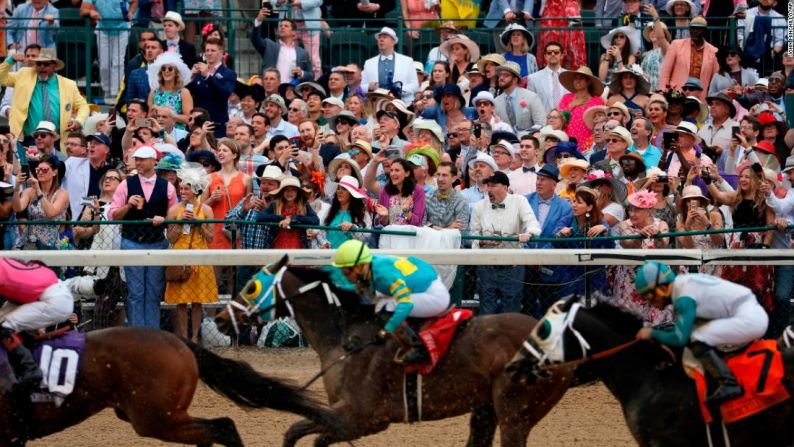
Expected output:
(299, 68)
(509, 10)
(212, 84)
(552, 213)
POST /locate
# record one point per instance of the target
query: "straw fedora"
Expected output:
(461, 39)
(693, 192)
(623, 109)
(570, 163)
(688, 128)
(511, 67)
(493, 58)
(49, 55)
(286, 182)
(173, 16)
(724, 99)
(596, 86)
(333, 166)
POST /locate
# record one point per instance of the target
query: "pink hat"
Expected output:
(643, 199)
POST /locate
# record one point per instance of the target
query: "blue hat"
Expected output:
(198, 156)
(568, 147)
(549, 171)
(651, 275)
(693, 83)
(99, 136)
(449, 89)
(169, 162)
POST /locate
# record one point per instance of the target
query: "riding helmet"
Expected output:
(352, 253)
(651, 275)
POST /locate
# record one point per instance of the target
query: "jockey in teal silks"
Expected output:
(412, 285)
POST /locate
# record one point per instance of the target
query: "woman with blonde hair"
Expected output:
(289, 205)
(168, 76)
(462, 53)
(518, 41)
(199, 287)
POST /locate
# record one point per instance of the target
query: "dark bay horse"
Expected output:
(149, 377)
(657, 398)
(366, 389)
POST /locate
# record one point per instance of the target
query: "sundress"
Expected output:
(571, 38)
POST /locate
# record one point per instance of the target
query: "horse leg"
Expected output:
(300, 429)
(188, 430)
(482, 426)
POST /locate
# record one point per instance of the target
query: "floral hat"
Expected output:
(643, 199)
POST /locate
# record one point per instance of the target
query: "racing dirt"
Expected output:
(586, 416)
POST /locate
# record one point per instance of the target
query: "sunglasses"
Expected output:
(616, 113)
(41, 135)
(691, 89)
(427, 96)
(44, 64)
(452, 135)
(111, 177)
(167, 68)
(562, 155)
(294, 110)
(354, 152)
(43, 170)
(553, 52)
(553, 139)
(613, 140)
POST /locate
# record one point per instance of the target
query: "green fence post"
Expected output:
(89, 61)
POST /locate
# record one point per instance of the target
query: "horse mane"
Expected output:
(350, 300)
(620, 319)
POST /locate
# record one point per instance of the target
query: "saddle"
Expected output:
(758, 369)
(437, 335)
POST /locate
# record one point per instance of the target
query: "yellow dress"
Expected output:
(201, 286)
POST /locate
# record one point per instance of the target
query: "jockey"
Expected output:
(412, 283)
(34, 299)
(730, 313)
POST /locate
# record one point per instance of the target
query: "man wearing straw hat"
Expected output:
(41, 95)
(517, 106)
(692, 56)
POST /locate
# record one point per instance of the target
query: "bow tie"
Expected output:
(387, 58)
(544, 202)
(151, 180)
(174, 43)
(495, 206)
(440, 196)
(526, 169)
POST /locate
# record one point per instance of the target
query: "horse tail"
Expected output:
(245, 386)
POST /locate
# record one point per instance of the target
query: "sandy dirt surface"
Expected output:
(586, 416)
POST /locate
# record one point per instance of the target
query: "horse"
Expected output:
(365, 387)
(149, 377)
(658, 399)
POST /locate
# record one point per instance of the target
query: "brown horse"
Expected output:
(149, 377)
(366, 389)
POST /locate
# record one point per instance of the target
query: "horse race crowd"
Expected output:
(674, 129)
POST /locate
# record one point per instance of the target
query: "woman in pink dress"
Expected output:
(565, 17)
(586, 91)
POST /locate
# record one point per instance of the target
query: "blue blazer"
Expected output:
(17, 29)
(268, 49)
(560, 215)
(496, 12)
(213, 94)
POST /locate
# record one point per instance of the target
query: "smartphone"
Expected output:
(477, 130)
(662, 179)
(392, 152)
(735, 131)
(668, 138)
(86, 201)
(693, 205)
(295, 141)
(26, 169)
(142, 122)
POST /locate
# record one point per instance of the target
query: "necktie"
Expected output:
(45, 97)
(511, 112)
(33, 31)
(526, 169)
(495, 206)
(555, 88)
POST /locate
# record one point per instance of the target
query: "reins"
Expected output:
(341, 358)
(597, 356)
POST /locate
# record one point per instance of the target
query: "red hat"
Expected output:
(766, 146)
(767, 117)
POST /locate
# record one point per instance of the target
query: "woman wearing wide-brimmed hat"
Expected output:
(168, 76)
(630, 88)
(585, 92)
(518, 42)
(621, 45)
(732, 73)
(462, 53)
(612, 194)
(680, 12)
(556, 19)
(289, 206)
(487, 66)
(350, 209)
(695, 213)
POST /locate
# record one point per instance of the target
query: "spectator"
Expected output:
(82, 174)
(611, 195)
(731, 72)
(586, 220)
(341, 166)
(695, 213)
(677, 66)
(572, 172)
(762, 24)
(552, 213)
(34, 22)
(227, 187)
(167, 77)
(657, 115)
(43, 199)
(716, 134)
(680, 12)
(517, 106)
(387, 134)
(684, 155)
(634, 15)
(141, 197)
(172, 26)
(621, 45)
(558, 119)
(586, 91)
(251, 97)
(630, 88)
(509, 11)
(113, 19)
(41, 95)
(445, 31)
(518, 41)
(291, 60)
(640, 222)
(774, 94)
(659, 36)
(781, 205)
(598, 144)
(99, 237)
(138, 83)
(390, 67)
(555, 14)
(349, 211)
(401, 201)
(546, 82)
(749, 209)
(45, 137)
(213, 31)
(446, 207)
(212, 84)
(605, 11)
(31, 53)
(641, 130)
(523, 180)
(199, 288)
(166, 118)
(657, 182)
(740, 145)
(297, 111)
(502, 215)
(275, 109)
(337, 86)
(271, 80)
(461, 52)
(288, 206)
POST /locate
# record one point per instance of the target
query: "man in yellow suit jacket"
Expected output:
(40, 94)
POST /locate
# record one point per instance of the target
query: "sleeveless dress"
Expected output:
(571, 38)
(576, 126)
(171, 99)
(629, 103)
(652, 66)
(200, 287)
(44, 237)
(236, 192)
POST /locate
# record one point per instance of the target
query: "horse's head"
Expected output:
(259, 299)
(570, 333)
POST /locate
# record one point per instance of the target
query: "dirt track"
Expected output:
(587, 416)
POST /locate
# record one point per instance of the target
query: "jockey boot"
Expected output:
(417, 352)
(25, 368)
(716, 367)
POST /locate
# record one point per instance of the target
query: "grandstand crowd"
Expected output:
(678, 127)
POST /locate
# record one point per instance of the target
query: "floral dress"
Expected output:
(623, 291)
(652, 66)
(163, 98)
(571, 37)
(43, 237)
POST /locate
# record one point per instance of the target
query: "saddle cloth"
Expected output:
(437, 336)
(59, 359)
(758, 369)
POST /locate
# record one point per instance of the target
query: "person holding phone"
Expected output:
(717, 134)
(695, 213)
(43, 199)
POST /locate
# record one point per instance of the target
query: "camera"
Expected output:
(662, 179)
(86, 201)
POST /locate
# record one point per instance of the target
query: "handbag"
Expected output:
(226, 231)
(180, 273)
